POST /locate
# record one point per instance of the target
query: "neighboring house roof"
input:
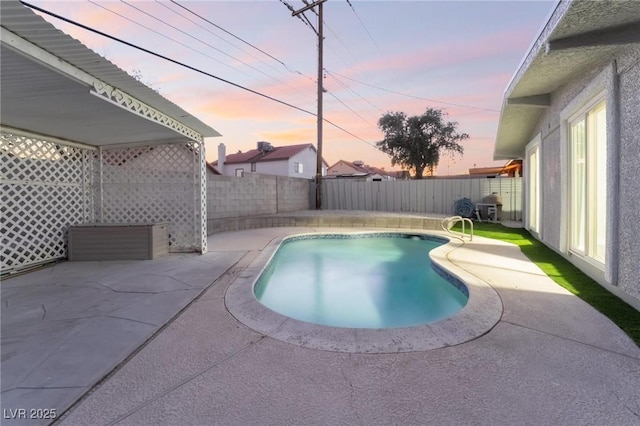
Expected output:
(62, 88)
(578, 36)
(355, 167)
(213, 169)
(258, 156)
(364, 170)
(510, 168)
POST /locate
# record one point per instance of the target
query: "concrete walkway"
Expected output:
(65, 327)
(551, 359)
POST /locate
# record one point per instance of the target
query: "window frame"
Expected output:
(592, 223)
(533, 198)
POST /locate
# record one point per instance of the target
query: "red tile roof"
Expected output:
(257, 156)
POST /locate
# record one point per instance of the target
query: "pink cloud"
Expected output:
(289, 137)
(448, 54)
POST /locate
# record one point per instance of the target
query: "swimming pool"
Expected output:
(382, 280)
(481, 312)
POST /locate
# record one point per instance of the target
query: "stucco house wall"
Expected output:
(341, 168)
(284, 167)
(279, 167)
(620, 80)
(629, 183)
(307, 158)
(587, 52)
(552, 165)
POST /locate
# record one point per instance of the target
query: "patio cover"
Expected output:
(84, 142)
(55, 86)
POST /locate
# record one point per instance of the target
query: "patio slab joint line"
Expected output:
(569, 339)
(43, 388)
(130, 319)
(184, 382)
(144, 344)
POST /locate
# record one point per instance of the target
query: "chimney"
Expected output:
(358, 163)
(222, 157)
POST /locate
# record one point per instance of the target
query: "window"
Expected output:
(239, 172)
(588, 182)
(532, 179)
(253, 167)
(297, 167)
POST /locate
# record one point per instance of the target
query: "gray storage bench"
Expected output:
(116, 241)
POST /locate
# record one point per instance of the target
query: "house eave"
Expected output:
(566, 47)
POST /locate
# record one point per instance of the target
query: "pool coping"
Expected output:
(481, 313)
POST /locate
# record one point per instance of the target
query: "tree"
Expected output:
(416, 142)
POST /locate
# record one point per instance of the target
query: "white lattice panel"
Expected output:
(46, 187)
(203, 198)
(154, 184)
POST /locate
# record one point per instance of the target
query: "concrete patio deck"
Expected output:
(550, 359)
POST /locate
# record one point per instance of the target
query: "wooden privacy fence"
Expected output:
(432, 196)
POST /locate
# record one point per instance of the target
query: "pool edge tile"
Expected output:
(482, 312)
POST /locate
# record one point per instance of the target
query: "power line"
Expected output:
(350, 109)
(309, 24)
(161, 35)
(351, 134)
(306, 2)
(193, 37)
(303, 18)
(382, 55)
(233, 45)
(412, 96)
(237, 38)
(224, 40)
(344, 86)
(197, 39)
(166, 58)
(158, 55)
(366, 29)
(183, 16)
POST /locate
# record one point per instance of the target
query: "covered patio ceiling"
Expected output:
(55, 86)
(578, 37)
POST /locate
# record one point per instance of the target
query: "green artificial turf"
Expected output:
(566, 275)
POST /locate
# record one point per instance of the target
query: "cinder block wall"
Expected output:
(252, 195)
(292, 194)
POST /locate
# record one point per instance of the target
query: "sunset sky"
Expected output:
(380, 56)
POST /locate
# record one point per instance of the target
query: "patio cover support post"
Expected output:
(100, 187)
(203, 198)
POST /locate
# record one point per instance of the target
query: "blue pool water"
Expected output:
(365, 281)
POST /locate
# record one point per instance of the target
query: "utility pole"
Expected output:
(320, 92)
